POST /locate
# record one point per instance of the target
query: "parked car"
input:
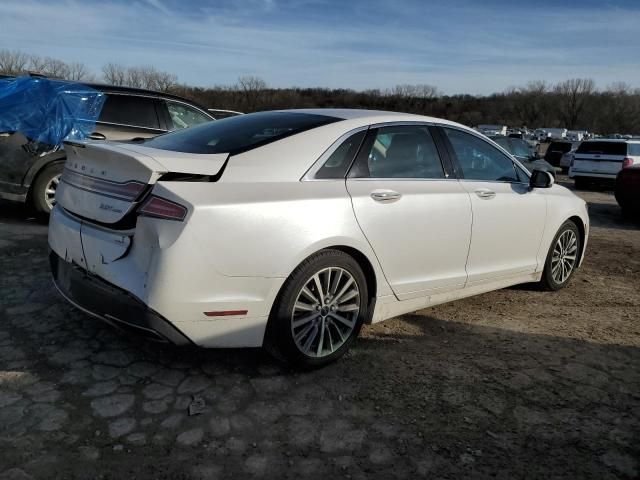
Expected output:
(219, 114)
(524, 153)
(28, 175)
(601, 160)
(556, 150)
(566, 159)
(290, 229)
(628, 191)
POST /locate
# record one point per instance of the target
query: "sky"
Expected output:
(460, 46)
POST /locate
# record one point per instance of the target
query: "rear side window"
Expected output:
(239, 134)
(400, 152)
(603, 148)
(339, 161)
(130, 110)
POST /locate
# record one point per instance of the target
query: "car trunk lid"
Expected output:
(105, 181)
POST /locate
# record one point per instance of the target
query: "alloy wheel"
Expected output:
(325, 312)
(50, 191)
(564, 256)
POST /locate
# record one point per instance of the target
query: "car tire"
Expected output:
(46, 181)
(559, 266)
(328, 337)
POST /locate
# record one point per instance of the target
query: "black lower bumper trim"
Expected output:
(111, 304)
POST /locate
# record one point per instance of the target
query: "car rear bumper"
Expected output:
(111, 304)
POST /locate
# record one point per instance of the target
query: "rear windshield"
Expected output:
(240, 133)
(603, 148)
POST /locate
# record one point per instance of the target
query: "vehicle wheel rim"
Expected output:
(325, 312)
(564, 256)
(50, 191)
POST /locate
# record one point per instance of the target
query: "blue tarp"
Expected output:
(48, 111)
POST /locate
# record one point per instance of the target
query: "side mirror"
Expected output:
(540, 179)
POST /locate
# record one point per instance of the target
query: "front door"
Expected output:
(508, 217)
(417, 220)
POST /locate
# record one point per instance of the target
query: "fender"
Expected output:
(32, 173)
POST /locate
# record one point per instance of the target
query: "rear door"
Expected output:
(413, 212)
(508, 217)
(126, 116)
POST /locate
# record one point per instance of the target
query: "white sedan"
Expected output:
(290, 229)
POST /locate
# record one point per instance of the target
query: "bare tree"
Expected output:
(114, 74)
(251, 90)
(78, 72)
(573, 96)
(13, 62)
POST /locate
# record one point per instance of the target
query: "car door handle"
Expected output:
(97, 136)
(485, 193)
(385, 195)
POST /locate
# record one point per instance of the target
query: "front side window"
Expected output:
(400, 152)
(184, 116)
(479, 160)
(132, 110)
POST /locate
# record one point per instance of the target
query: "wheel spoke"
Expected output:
(341, 319)
(310, 338)
(321, 341)
(316, 279)
(50, 191)
(300, 305)
(303, 333)
(350, 307)
(327, 327)
(305, 319)
(336, 282)
(309, 294)
(344, 289)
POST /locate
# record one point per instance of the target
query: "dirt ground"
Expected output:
(517, 383)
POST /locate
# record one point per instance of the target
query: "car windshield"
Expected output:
(240, 133)
(603, 148)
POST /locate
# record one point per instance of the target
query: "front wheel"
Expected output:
(319, 312)
(562, 258)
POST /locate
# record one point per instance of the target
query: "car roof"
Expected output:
(372, 116)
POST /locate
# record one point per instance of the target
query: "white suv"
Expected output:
(603, 159)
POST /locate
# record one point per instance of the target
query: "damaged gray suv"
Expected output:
(29, 172)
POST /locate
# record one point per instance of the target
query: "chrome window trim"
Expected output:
(317, 165)
(131, 126)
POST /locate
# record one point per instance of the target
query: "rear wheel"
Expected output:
(319, 311)
(562, 258)
(44, 188)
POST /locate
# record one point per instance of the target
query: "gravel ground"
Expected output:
(516, 383)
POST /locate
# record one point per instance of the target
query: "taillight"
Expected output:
(162, 208)
(128, 191)
(627, 162)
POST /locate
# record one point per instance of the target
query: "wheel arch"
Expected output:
(363, 261)
(582, 229)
